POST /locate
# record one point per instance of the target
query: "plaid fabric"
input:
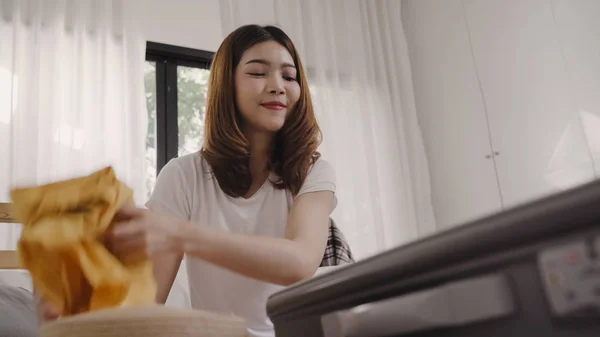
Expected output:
(337, 251)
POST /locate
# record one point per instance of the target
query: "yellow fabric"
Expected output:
(61, 245)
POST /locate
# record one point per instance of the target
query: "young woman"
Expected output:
(251, 209)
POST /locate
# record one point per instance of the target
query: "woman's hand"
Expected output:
(138, 234)
(45, 312)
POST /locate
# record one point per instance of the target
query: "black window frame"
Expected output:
(167, 58)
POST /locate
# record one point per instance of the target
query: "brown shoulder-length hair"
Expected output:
(226, 149)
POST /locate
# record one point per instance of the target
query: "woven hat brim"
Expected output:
(146, 321)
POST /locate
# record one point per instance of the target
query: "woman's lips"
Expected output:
(274, 105)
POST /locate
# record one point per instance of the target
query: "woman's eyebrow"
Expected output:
(261, 61)
(267, 63)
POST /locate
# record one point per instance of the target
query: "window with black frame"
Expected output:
(176, 81)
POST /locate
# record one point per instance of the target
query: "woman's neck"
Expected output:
(260, 150)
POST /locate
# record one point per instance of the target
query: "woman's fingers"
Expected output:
(122, 234)
(46, 312)
(123, 248)
(134, 236)
(130, 251)
(125, 230)
(129, 212)
(127, 241)
(134, 257)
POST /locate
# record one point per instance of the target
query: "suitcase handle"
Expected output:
(453, 304)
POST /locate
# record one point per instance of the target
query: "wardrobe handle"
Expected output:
(450, 305)
(488, 156)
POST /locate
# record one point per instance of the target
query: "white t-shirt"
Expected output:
(186, 189)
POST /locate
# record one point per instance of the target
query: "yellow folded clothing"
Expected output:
(61, 245)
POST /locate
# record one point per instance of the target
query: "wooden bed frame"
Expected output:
(8, 258)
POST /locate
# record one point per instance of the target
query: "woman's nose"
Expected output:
(275, 85)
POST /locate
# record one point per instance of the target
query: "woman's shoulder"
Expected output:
(322, 164)
(190, 164)
(173, 190)
(187, 171)
(323, 169)
(321, 176)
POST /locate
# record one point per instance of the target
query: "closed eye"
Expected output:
(289, 78)
(256, 74)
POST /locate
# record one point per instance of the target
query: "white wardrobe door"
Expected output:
(532, 109)
(450, 111)
(579, 32)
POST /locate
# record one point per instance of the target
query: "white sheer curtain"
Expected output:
(357, 62)
(71, 94)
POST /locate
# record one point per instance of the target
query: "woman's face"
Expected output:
(266, 87)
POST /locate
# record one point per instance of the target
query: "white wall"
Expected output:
(187, 23)
(449, 107)
(578, 29)
(506, 94)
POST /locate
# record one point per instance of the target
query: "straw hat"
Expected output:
(146, 321)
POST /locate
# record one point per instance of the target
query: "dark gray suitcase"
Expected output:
(530, 271)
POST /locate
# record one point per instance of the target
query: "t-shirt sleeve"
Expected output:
(170, 196)
(321, 177)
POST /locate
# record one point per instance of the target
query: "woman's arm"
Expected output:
(277, 260)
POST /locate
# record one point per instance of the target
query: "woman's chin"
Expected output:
(273, 125)
(268, 124)
(274, 128)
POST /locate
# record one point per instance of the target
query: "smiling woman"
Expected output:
(251, 209)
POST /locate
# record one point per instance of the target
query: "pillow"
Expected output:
(17, 312)
(18, 278)
(325, 270)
